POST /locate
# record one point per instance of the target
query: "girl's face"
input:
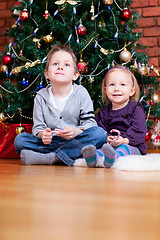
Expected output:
(119, 88)
(61, 68)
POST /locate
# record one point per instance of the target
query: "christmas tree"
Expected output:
(102, 33)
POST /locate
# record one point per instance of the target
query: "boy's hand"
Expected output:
(46, 136)
(69, 132)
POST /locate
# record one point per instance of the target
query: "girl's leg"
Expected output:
(111, 154)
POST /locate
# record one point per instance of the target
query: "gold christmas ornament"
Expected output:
(109, 2)
(66, 1)
(27, 65)
(143, 70)
(105, 51)
(155, 98)
(4, 68)
(14, 25)
(92, 11)
(135, 65)
(125, 55)
(16, 12)
(2, 118)
(36, 40)
(48, 38)
(100, 24)
(17, 70)
(32, 64)
(155, 70)
(20, 129)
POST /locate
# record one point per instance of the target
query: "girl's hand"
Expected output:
(69, 132)
(116, 142)
(110, 139)
(46, 136)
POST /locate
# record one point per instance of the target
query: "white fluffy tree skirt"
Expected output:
(149, 162)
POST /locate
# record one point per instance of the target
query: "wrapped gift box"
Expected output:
(7, 136)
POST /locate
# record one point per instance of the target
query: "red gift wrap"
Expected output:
(7, 136)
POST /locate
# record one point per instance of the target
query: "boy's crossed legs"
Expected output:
(34, 152)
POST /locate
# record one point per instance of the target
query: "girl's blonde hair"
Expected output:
(135, 96)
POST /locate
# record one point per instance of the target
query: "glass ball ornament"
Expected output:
(81, 30)
(155, 98)
(125, 55)
(125, 15)
(23, 81)
(40, 85)
(21, 54)
(7, 59)
(143, 70)
(20, 129)
(109, 2)
(24, 15)
(2, 118)
(82, 67)
(148, 136)
(18, 3)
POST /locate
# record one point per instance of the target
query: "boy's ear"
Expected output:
(46, 73)
(76, 75)
(132, 91)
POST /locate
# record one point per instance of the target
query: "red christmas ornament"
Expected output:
(24, 15)
(81, 30)
(152, 104)
(46, 14)
(7, 59)
(18, 3)
(148, 136)
(156, 141)
(125, 15)
(82, 67)
(21, 54)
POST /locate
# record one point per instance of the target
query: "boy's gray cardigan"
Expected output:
(78, 111)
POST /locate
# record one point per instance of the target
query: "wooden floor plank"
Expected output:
(60, 202)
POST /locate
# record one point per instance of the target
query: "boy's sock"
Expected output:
(109, 155)
(29, 157)
(90, 155)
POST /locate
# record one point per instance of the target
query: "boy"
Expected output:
(63, 117)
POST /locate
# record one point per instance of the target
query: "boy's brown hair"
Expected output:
(134, 97)
(65, 48)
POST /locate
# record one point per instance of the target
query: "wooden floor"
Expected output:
(75, 203)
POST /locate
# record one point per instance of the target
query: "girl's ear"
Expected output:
(76, 75)
(132, 91)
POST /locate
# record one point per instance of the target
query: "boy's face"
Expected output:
(61, 68)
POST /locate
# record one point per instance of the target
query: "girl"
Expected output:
(122, 115)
